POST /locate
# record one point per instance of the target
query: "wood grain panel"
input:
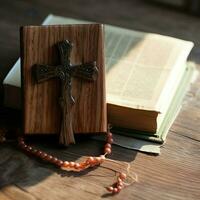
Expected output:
(41, 101)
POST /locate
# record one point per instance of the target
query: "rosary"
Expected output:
(116, 187)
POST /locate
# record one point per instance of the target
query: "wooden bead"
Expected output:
(71, 164)
(39, 153)
(120, 183)
(108, 145)
(110, 140)
(119, 188)
(59, 162)
(95, 160)
(109, 135)
(43, 155)
(122, 176)
(119, 179)
(49, 157)
(115, 190)
(98, 159)
(54, 160)
(34, 151)
(87, 162)
(29, 148)
(83, 164)
(107, 150)
(91, 160)
(66, 164)
(77, 166)
(110, 189)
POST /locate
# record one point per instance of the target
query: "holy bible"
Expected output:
(143, 73)
(63, 80)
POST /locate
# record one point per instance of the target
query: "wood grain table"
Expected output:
(175, 174)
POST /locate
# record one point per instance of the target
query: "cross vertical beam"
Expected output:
(65, 71)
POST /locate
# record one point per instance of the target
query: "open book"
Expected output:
(143, 72)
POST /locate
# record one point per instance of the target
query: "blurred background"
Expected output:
(190, 6)
(177, 18)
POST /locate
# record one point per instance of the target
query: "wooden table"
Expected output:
(175, 174)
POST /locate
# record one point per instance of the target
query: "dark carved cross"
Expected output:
(65, 71)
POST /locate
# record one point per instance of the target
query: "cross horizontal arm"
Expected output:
(88, 71)
(45, 72)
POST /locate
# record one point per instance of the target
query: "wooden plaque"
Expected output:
(41, 109)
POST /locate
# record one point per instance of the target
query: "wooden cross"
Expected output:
(65, 71)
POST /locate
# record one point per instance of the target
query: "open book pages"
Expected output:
(143, 69)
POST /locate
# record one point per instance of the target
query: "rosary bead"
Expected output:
(49, 157)
(115, 190)
(71, 164)
(110, 140)
(109, 135)
(54, 160)
(108, 145)
(90, 160)
(59, 162)
(87, 162)
(83, 164)
(122, 176)
(43, 155)
(29, 148)
(39, 153)
(119, 179)
(119, 188)
(34, 151)
(107, 150)
(99, 160)
(77, 165)
(120, 183)
(66, 164)
(110, 189)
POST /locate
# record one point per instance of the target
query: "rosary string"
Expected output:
(89, 162)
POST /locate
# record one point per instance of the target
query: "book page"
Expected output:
(141, 66)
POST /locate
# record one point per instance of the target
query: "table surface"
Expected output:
(175, 174)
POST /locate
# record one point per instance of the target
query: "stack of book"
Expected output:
(146, 78)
